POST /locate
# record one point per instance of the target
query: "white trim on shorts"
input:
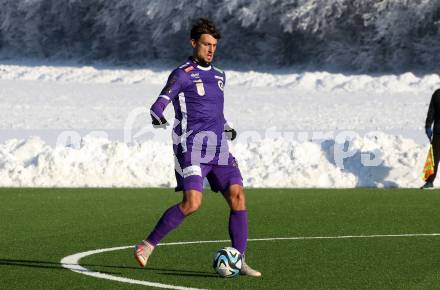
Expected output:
(192, 170)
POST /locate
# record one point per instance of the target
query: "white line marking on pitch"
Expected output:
(72, 262)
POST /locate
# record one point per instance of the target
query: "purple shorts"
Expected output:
(220, 177)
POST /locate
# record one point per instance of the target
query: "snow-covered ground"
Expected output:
(292, 127)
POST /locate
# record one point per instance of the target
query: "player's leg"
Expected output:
(436, 153)
(174, 216)
(238, 224)
(171, 219)
(228, 180)
(192, 186)
(238, 221)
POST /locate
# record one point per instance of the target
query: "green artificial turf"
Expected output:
(38, 227)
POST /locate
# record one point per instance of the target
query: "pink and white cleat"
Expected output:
(142, 252)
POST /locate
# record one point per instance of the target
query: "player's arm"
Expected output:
(230, 132)
(431, 114)
(168, 93)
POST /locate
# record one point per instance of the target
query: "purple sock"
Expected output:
(171, 218)
(238, 229)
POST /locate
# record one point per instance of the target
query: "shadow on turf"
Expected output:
(53, 265)
(161, 271)
(165, 271)
(37, 264)
(192, 274)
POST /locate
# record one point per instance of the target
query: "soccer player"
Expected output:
(200, 147)
(433, 116)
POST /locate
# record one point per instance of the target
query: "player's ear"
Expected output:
(193, 43)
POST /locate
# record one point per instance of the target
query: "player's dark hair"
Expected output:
(204, 26)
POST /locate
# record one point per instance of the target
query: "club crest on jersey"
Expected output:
(221, 85)
(200, 87)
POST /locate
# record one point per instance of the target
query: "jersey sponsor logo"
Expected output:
(221, 85)
(188, 69)
(195, 75)
(219, 78)
(200, 87)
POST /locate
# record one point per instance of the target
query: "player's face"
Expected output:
(204, 47)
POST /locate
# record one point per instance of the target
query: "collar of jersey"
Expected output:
(204, 68)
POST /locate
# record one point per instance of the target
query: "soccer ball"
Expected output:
(227, 262)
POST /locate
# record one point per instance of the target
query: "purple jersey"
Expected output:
(197, 96)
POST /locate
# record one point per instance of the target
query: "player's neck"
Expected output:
(200, 62)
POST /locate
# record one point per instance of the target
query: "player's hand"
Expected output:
(159, 123)
(231, 134)
(428, 132)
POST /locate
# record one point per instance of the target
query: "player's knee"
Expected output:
(191, 206)
(237, 198)
(239, 203)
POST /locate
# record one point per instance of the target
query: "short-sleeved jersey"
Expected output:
(197, 96)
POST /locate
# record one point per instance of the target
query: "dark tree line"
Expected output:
(351, 35)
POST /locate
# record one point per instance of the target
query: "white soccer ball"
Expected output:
(227, 262)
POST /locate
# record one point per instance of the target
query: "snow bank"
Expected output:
(37, 96)
(289, 79)
(49, 101)
(395, 162)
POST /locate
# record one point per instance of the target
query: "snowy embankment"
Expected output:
(311, 81)
(381, 161)
(73, 99)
